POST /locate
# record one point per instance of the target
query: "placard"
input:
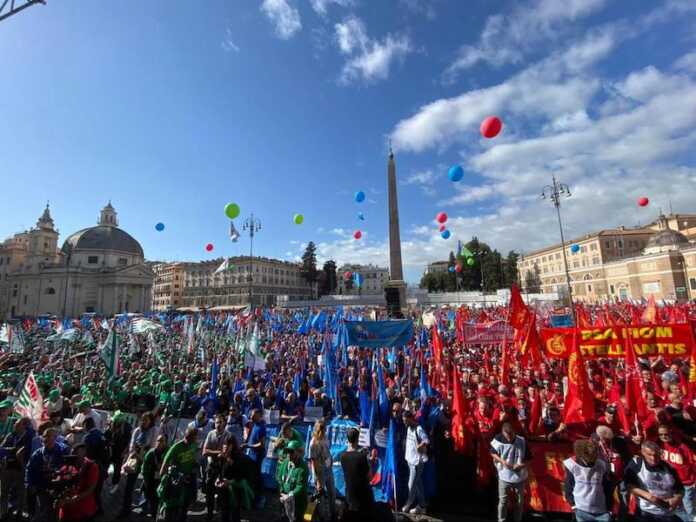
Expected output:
(381, 438)
(313, 413)
(270, 451)
(271, 417)
(364, 440)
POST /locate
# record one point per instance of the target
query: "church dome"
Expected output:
(103, 237)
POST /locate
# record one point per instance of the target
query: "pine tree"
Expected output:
(309, 263)
(510, 269)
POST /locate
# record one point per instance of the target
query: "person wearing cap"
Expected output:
(293, 487)
(77, 431)
(587, 487)
(81, 505)
(54, 402)
(118, 436)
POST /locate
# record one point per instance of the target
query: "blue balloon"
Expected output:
(159, 227)
(359, 196)
(451, 269)
(455, 173)
(575, 249)
(445, 234)
(361, 217)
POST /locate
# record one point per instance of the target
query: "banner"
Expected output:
(561, 320)
(377, 334)
(669, 340)
(30, 403)
(487, 333)
(546, 476)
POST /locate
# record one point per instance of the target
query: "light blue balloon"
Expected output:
(575, 249)
(361, 217)
(159, 227)
(445, 234)
(455, 173)
(451, 269)
(359, 196)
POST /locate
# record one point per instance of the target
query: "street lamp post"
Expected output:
(555, 192)
(253, 225)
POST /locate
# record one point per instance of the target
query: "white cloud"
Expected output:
(425, 179)
(368, 59)
(687, 62)
(284, 17)
(228, 43)
(321, 6)
(508, 38)
(552, 88)
(469, 194)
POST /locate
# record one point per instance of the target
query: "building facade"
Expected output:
(437, 267)
(620, 264)
(209, 284)
(373, 279)
(99, 269)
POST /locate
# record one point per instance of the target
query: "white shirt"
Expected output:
(414, 437)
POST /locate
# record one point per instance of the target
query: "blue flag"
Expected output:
(376, 334)
(389, 469)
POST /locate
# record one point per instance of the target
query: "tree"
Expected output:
(532, 281)
(429, 282)
(309, 263)
(328, 282)
(510, 274)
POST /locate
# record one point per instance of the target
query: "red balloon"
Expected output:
(209, 247)
(491, 127)
(442, 228)
(643, 202)
(441, 218)
(357, 234)
(458, 268)
(347, 275)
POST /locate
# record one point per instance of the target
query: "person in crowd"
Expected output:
(655, 484)
(416, 456)
(587, 486)
(16, 451)
(322, 466)
(212, 449)
(357, 476)
(142, 440)
(511, 455)
(98, 453)
(183, 457)
(680, 457)
(256, 449)
(118, 437)
(204, 425)
(293, 485)
(77, 431)
(41, 470)
(152, 463)
(235, 423)
(81, 504)
(7, 418)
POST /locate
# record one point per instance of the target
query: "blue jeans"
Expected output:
(687, 512)
(416, 495)
(584, 516)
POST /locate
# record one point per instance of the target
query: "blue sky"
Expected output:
(172, 109)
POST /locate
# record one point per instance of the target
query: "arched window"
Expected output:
(50, 291)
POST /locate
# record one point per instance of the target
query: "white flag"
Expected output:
(234, 234)
(30, 403)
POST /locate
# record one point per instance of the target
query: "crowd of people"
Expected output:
(185, 412)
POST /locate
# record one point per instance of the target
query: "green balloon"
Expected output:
(298, 219)
(470, 261)
(232, 210)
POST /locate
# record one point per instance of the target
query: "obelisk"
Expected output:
(395, 288)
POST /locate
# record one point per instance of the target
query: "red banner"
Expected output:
(668, 340)
(546, 475)
(487, 333)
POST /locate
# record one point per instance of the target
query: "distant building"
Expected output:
(437, 267)
(373, 279)
(99, 269)
(622, 263)
(198, 285)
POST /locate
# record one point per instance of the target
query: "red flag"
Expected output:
(437, 347)
(650, 312)
(519, 313)
(635, 401)
(534, 414)
(579, 402)
(530, 345)
(615, 398)
(505, 365)
(460, 415)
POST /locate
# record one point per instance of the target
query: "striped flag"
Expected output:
(109, 354)
(30, 402)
